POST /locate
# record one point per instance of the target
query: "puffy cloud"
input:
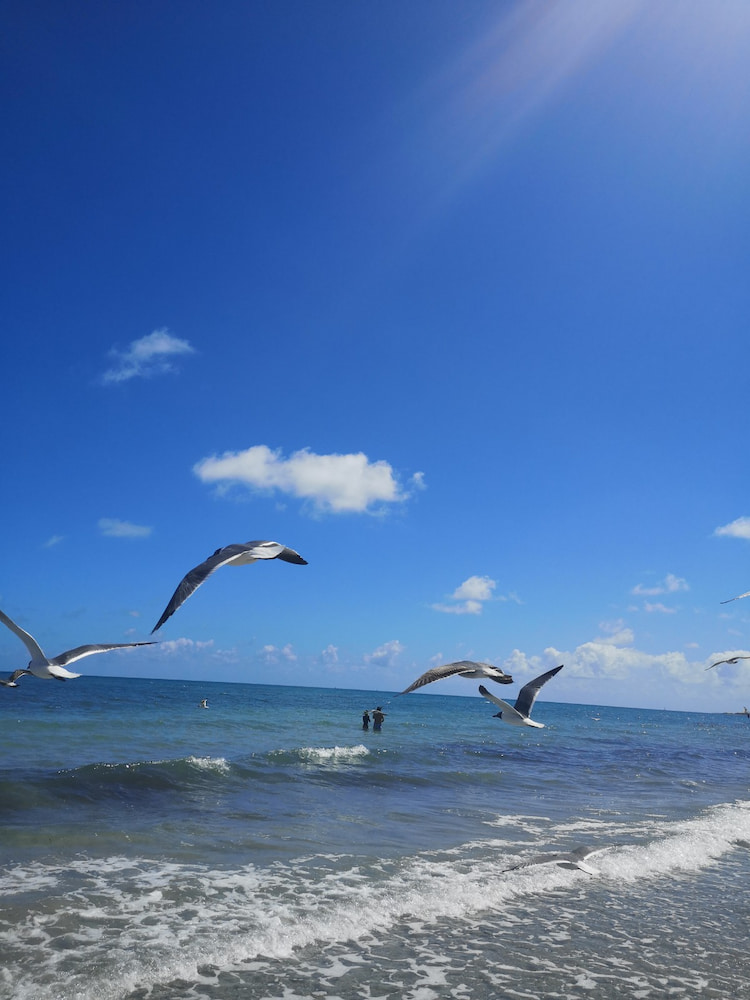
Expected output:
(337, 483)
(274, 654)
(608, 659)
(385, 655)
(739, 528)
(616, 633)
(171, 646)
(114, 528)
(150, 355)
(330, 654)
(465, 608)
(657, 607)
(670, 585)
(195, 650)
(476, 588)
(471, 595)
(603, 660)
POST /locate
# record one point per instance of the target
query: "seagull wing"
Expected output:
(527, 694)
(438, 673)
(730, 659)
(11, 681)
(248, 552)
(274, 550)
(737, 598)
(28, 640)
(80, 651)
(198, 575)
(504, 707)
(717, 664)
(574, 859)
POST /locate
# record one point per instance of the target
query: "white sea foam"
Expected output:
(218, 764)
(322, 755)
(148, 922)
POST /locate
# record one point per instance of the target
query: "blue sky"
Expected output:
(450, 297)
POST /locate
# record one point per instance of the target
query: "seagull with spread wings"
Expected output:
(462, 668)
(518, 714)
(572, 860)
(731, 659)
(46, 668)
(737, 598)
(230, 555)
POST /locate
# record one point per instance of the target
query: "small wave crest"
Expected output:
(178, 916)
(323, 755)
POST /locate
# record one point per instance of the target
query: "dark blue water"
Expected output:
(266, 846)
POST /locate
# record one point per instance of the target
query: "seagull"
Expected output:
(10, 682)
(573, 859)
(519, 716)
(732, 659)
(230, 555)
(44, 667)
(737, 598)
(464, 668)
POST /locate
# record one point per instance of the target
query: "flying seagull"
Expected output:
(519, 715)
(10, 682)
(464, 668)
(732, 659)
(737, 598)
(44, 667)
(573, 859)
(229, 555)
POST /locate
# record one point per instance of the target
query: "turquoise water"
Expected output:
(268, 847)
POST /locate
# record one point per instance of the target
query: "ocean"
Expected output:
(267, 848)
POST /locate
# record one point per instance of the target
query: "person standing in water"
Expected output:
(377, 719)
(365, 719)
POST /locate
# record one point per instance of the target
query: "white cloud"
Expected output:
(471, 595)
(603, 660)
(52, 541)
(338, 483)
(657, 607)
(330, 654)
(146, 357)
(115, 528)
(465, 608)
(739, 528)
(385, 655)
(670, 585)
(616, 633)
(274, 654)
(183, 645)
(476, 588)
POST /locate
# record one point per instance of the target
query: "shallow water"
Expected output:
(268, 847)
